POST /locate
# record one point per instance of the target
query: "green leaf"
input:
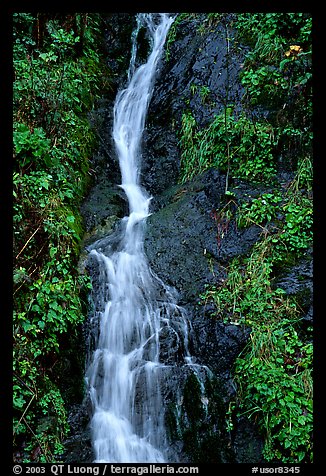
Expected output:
(287, 443)
(53, 251)
(27, 326)
(302, 419)
(301, 455)
(19, 402)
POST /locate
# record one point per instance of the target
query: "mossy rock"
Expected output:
(199, 422)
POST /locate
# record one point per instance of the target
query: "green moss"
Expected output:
(198, 420)
(192, 403)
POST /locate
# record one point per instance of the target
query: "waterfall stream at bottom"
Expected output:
(140, 334)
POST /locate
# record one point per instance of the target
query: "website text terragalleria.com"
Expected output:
(56, 469)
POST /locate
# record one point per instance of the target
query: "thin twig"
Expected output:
(24, 383)
(44, 452)
(29, 239)
(24, 414)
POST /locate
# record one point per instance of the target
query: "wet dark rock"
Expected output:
(161, 159)
(201, 422)
(309, 317)
(202, 73)
(78, 448)
(104, 201)
(184, 249)
(297, 281)
(209, 58)
(219, 343)
(182, 236)
(118, 29)
(247, 442)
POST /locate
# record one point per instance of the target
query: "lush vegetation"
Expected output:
(58, 74)
(273, 132)
(277, 78)
(234, 144)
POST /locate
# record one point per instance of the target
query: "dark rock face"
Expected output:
(78, 447)
(197, 58)
(183, 243)
(298, 281)
(184, 249)
(247, 443)
(201, 73)
(105, 199)
(182, 236)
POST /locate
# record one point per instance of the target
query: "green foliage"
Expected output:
(260, 210)
(297, 233)
(280, 27)
(292, 215)
(277, 72)
(214, 18)
(246, 297)
(52, 424)
(52, 82)
(32, 147)
(274, 371)
(239, 145)
(276, 76)
(260, 84)
(59, 72)
(278, 390)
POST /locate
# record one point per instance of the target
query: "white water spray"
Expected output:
(129, 370)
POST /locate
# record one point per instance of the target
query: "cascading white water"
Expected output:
(129, 368)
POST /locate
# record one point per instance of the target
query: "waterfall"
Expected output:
(130, 368)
